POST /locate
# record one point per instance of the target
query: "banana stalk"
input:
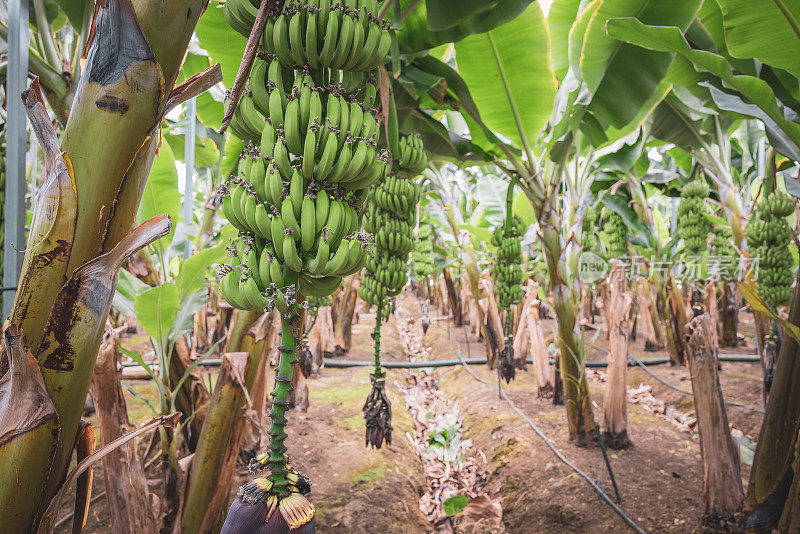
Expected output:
(277, 460)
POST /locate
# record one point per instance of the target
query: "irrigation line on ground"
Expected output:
(454, 362)
(686, 391)
(549, 443)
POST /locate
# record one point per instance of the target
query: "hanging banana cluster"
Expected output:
(323, 34)
(413, 158)
(315, 303)
(390, 216)
(508, 267)
(309, 120)
(725, 252)
(768, 235)
(591, 217)
(313, 152)
(422, 255)
(614, 234)
(693, 226)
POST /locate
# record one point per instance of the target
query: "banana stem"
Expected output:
(376, 335)
(280, 397)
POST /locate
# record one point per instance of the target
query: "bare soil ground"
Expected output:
(359, 490)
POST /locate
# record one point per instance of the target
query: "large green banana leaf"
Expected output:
(222, 43)
(419, 33)
(560, 18)
(442, 16)
(508, 72)
(767, 30)
(757, 91)
(621, 77)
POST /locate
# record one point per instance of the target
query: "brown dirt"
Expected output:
(359, 490)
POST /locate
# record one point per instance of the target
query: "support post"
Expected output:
(188, 160)
(16, 145)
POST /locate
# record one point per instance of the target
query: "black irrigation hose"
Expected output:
(453, 362)
(553, 448)
(686, 391)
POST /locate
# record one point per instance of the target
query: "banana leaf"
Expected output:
(508, 73)
(763, 29)
(417, 34)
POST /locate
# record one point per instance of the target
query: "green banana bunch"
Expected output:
(322, 34)
(309, 122)
(422, 255)
(391, 217)
(589, 225)
(311, 159)
(693, 226)
(768, 235)
(412, 157)
(724, 249)
(507, 270)
(614, 234)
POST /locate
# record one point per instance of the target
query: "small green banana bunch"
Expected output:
(589, 225)
(315, 303)
(693, 226)
(413, 157)
(614, 234)
(507, 269)
(726, 252)
(344, 34)
(769, 237)
(422, 255)
(391, 217)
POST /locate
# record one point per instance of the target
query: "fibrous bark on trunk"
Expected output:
(710, 309)
(649, 322)
(722, 486)
(454, 300)
(730, 316)
(343, 322)
(124, 479)
(617, 301)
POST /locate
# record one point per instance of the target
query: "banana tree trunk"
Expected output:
(88, 202)
(773, 464)
(452, 295)
(343, 325)
(214, 461)
(722, 480)
(617, 302)
(650, 326)
(580, 418)
(123, 472)
(730, 316)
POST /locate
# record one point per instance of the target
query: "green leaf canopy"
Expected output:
(621, 77)
(768, 30)
(508, 72)
(461, 18)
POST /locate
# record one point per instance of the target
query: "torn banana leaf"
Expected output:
(29, 434)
